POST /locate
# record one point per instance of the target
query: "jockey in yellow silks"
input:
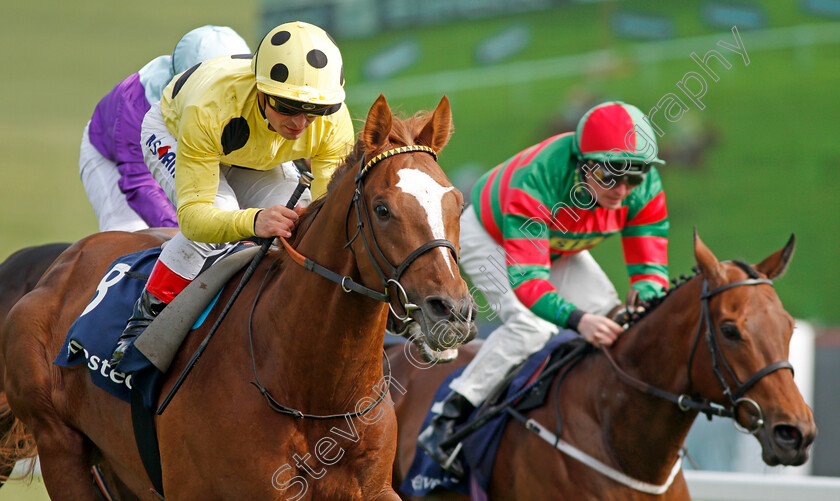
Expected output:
(216, 142)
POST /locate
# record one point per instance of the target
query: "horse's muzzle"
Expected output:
(786, 444)
(450, 323)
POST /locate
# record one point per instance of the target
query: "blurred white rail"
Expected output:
(723, 486)
(580, 64)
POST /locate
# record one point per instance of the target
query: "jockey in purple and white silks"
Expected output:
(122, 191)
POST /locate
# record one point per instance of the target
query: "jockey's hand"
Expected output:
(598, 330)
(275, 221)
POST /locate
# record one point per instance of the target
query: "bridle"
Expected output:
(349, 285)
(391, 280)
(363, 217)
(736, 397)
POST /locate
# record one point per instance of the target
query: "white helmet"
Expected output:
(204, 43)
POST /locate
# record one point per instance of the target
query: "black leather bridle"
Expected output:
(349, 285)
(390, 280)
(735, 397)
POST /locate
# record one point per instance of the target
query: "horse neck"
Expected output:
(648, 431)
(656, 349)
(330, 342)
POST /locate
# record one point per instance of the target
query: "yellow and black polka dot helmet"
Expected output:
(300, 62)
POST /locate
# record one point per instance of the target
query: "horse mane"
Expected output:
(651, 304)
(403, 133)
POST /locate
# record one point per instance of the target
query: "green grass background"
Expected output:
(772, 172)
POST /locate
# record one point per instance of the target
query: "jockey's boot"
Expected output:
(146, 309)
(455, 409)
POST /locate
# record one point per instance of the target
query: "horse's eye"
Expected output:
(382, 211)
(730, 332)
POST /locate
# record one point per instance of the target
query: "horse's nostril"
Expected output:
(787, 435)
(439, 308)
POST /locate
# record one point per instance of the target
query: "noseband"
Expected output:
(392, 278)
(736, 398)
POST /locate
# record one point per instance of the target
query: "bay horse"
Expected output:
(633, 416)
(320, 425)
(19, 274)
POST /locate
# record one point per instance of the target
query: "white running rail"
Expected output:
(724, 486)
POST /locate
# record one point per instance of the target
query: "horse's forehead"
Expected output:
(429, 194)
(758, 305)
(421, 186)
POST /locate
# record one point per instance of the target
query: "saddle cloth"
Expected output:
(479, 449)
(93, 336)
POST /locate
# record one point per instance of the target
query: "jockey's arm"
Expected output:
(644, 238)
(331, 152)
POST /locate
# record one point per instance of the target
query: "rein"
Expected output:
(349, 285)
(282, 409)
(684, 402)
(346, 282)
(736, 398)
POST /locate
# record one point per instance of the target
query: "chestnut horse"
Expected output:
(320, 426)
(621, 415)
(19, 274)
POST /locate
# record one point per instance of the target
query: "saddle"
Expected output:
(160, 341)
(524, 388)
(95, 332)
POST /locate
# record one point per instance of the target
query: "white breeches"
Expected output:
(577, 278)
(238, 188)
(100, 179)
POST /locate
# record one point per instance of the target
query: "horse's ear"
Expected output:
(378, 124)
(709, 265)
(776, 264)
(435, 134)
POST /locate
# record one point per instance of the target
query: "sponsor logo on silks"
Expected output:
(166, 157)
(422, 482)
(100, 368)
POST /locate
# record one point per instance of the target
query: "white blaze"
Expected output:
(429, 193)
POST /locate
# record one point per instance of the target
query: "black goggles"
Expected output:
(290, 107)
(633, 174)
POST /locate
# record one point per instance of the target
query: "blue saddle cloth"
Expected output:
(479, 449)
(93, 336)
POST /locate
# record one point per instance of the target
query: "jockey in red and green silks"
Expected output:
(525, 240)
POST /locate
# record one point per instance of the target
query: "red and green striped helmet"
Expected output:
(614, 131)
